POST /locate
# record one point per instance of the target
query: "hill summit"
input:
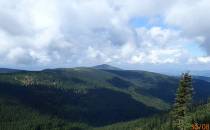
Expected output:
(106, 67)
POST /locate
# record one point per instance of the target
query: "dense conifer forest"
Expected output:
(98, 99)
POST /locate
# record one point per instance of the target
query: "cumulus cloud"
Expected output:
(49, 33)
(201, 59)
(193, 18)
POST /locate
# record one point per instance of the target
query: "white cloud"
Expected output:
(198, 60)
(158, 37)
(127, 49)
(160, 56)
(137, 58)
(193, 17)
(19, 56)
(51, 33)
(204, 59)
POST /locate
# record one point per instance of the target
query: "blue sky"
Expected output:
(195, 49)
(147, 22)
(134, 34)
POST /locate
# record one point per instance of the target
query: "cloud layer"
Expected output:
(52, 33)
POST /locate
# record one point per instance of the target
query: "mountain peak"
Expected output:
(106, 67)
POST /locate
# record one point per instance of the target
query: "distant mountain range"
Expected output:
(202, 78)
(6, 70)
(201, 73)
(95, 96)
(204, 73)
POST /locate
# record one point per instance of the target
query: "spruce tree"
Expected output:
(182, 102)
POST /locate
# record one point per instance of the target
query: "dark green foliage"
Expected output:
(199, 114)
(201, 90)
(183, 102)
(95, 107)
(162, 86)
(16, 116)
(117, 82)
(78, 81)
(202, 78)
(145, 87)
(83, 97)
(164, 90)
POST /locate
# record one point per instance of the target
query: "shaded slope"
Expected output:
(162, 86)
(200, 115)
(202, 78)
(94, 107)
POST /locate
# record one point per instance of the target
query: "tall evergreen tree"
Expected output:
(183, 101)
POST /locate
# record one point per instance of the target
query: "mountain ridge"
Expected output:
(106, 67)
(92, 96)
(8, 70)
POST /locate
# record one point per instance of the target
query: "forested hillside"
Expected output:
(84, 98)
(199, 115)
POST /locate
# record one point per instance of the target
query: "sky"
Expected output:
(133, 34)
